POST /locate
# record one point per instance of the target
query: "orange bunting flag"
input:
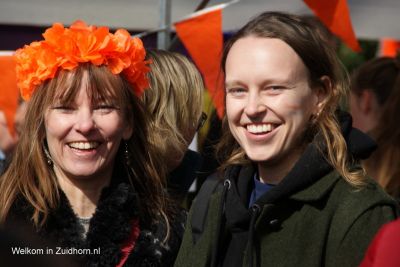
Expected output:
(202, 37)
(8, 91)
(335, 15)
(389, 47)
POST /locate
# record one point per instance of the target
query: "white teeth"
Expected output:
(84, 145)
(260, 128)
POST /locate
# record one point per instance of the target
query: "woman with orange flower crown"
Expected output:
(83, 174)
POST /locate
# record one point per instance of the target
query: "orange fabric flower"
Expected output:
(66, 48)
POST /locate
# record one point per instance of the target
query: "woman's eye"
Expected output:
(275, 87)
(63, 108)
(236, 91)
(105, 108)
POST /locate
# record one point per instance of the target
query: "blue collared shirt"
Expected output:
(259, 189)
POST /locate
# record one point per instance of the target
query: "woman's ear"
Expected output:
(127, 133)
(322, 93)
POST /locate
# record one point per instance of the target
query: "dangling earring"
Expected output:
(127, 154)
(47, 154)
(314, 117)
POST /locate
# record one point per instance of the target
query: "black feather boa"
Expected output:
(110, 226)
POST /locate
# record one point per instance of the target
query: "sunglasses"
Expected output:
(202, 120)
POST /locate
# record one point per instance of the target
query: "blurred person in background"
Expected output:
(374, 106)
(174, 101)
(19, 118)
(7, 142)
(384, 248)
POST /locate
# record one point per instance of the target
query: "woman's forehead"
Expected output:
(95, 94)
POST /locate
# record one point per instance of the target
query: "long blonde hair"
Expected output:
(174, 101)
(309, 42)
(31, 178)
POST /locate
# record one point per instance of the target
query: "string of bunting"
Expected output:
(201, 34)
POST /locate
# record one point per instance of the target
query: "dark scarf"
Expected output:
(110, 227)
(311, 167)
(182, 177)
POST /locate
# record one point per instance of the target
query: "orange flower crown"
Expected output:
(66, 48)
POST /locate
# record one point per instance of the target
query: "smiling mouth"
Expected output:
(260, 128)
(84, 145)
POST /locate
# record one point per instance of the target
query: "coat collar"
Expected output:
(319, 189)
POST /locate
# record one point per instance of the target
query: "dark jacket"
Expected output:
(312, 218)
(182, 177)
(4, 162)
(2, 166)
(110, 229)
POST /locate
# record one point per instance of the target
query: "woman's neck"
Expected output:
(273, 172)
(83, 193)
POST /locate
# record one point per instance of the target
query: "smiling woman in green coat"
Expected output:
(290, 191)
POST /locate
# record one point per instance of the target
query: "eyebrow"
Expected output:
(263, 83)
(233, 83)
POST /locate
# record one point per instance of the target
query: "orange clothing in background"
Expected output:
(8, 89)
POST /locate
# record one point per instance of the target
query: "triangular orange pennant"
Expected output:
(389, 47)
(202, 37)
(8, 90)
(335, 15)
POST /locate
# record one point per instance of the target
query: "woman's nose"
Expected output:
(255, 105)
(85, 121)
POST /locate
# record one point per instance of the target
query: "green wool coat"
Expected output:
(330, 223)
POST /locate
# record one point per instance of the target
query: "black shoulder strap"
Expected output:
(200, 205)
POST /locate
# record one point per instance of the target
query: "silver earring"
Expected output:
(127, 154)
(48, 157)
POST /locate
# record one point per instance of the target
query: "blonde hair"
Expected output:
(31, 178)
(174, 102)
(309, 42)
